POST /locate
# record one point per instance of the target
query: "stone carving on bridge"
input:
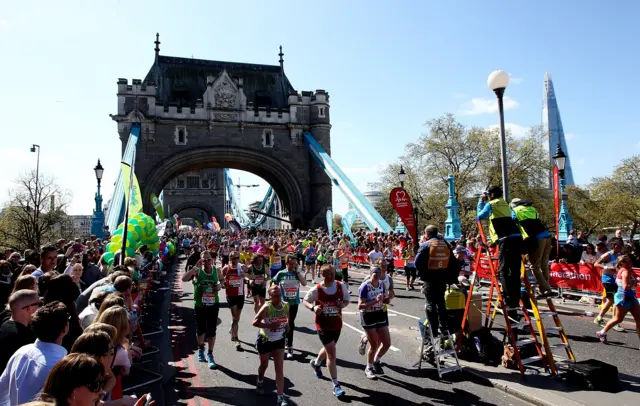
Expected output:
(224, 93)
(224, 116)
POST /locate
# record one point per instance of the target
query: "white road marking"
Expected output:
(392, 348)
(403, 314)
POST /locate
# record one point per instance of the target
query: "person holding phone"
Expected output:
(206, 304)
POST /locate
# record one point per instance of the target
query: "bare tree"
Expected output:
(35, 213)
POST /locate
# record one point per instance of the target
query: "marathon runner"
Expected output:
(273, 321)
(289, 281)
(372, 298)
(257, 275)
(233, 275)
(326, 300)
(206, 303)
(607, 263)
(310, 255)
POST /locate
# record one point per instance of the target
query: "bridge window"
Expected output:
(180, 184)
(267, 138)
(205, 183)
(321, 112)
(180, 135)
(193, 182)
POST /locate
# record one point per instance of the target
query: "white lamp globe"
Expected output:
(498, 79)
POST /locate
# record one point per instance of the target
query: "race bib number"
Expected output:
(235, 282)
(259, 281)
(290, 292)
(282, 320)
(330, 310)
(208, 298)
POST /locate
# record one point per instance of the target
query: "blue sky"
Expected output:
(388, 66)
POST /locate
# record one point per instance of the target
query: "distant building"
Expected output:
(81, 225)
(196, 196)
(270, 222)
(552, 125)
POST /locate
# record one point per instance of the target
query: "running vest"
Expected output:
(260, 274)
(289, 285)
(331, 317)
(529, 220)
(500, 222)
(633, 282)
(234, 283)
(608, 277)
(439, 255)
(275, 315)
(204, 284)
(372, 293)
(310, 254)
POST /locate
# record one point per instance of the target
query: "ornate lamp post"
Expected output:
(400, 228)
(565, 222)
(452, 226)
(97, 221)
(498, 81)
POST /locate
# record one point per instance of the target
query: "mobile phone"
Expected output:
(148, 400)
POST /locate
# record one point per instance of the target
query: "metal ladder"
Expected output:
(499, 306)
(445, 360)
(543, 331)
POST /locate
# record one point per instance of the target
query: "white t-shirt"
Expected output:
(374, 256)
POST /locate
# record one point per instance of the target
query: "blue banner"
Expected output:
(330, 222)
(347, 221)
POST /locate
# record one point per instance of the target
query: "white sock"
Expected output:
(602, 332)
(376, 359)
(317, 362)
(369, 366)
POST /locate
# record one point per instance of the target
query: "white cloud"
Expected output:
(4, 22)
(569, 136)
(486, 105)
(514, 80)
(516, 130)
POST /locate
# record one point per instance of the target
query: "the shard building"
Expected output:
(552, 125)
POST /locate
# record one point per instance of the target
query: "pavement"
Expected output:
(192, 383)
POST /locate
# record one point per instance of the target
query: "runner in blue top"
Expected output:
(607, 263)
(289, 281)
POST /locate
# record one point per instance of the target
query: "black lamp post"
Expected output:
(498, 81)
(561, 160)
(402, 176)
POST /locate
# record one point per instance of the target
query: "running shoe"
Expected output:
(201, 357)
(211, 361)
(602, 336)
(377, 367)
(338, 391)
(289, 353)
(369, 373)
(238, 344)
(282, 401)
(618, 328)
(316, 368)
(260, 387)
(599, 321)
(362, 345)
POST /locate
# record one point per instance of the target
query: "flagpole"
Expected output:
(123, 250)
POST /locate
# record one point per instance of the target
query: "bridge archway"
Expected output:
(270, 169)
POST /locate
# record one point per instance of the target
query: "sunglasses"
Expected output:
(39, 304)
(95, 386)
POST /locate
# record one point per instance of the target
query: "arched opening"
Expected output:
(271, 170)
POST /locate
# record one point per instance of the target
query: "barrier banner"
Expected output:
(401, 202)
(575, 276)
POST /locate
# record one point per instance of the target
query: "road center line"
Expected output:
(403, 314)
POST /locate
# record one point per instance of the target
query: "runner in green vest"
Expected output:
(206, 303)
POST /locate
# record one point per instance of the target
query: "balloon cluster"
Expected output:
(141, 230)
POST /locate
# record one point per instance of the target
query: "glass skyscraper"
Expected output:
(552, 125)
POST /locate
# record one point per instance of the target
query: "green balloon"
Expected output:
(113, 248)
(130, 252)
(116, 239)
(108, 258)
(117, 232)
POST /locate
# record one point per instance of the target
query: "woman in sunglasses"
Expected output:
(76, 380)
(234, 275)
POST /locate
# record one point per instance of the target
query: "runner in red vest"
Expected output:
(234, 274)
(326, 300)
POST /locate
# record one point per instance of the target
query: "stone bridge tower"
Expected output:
(198, 114)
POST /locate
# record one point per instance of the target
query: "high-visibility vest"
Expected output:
(529, 221)
(439, 254)
(500, 222)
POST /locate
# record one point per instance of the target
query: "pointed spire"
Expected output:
(157, 42)
(281, 60)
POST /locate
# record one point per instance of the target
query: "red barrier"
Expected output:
(398, 263)
(567, 276)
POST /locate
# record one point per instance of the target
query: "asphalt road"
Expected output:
(234, 380)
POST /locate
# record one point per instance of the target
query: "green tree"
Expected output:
(472, 155)
(337, 223)
(35, 214)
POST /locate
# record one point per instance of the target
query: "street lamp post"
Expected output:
(565, 222)
(498, 81)
(97, 221)
(36, 200)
